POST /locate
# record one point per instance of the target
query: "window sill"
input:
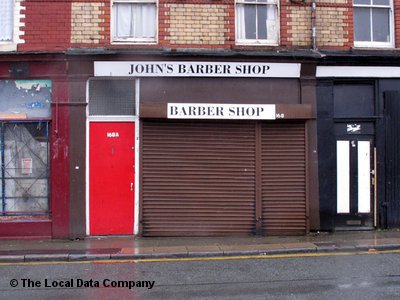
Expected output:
(257, 43)
(41, 218)
(134, 42)
(366, 45)
(8, 47)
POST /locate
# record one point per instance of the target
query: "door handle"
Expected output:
(131, 186)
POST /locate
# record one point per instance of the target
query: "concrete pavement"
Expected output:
(136, 248)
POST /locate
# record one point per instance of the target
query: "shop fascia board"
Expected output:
(159, 110)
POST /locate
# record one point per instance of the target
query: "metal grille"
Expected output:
(24, 168)
(198, 178)
(111, 97)
(283, 179)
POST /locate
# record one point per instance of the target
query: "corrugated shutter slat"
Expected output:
(198, 178)
(283, 179)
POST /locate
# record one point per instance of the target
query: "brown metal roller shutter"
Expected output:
(283, 179)
(198, 178)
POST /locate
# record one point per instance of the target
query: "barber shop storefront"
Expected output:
(194, 148)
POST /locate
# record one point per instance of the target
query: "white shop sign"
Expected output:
(221, 111)
(195, 69)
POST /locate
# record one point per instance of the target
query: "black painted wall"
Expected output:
(326, 154)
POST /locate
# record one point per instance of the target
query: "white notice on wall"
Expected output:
(221, 111)
(26, 166)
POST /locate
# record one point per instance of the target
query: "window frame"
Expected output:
(6, 176)
(258, 42)
(94, 101)
(118, 40)
(11, 45)
(373, 44)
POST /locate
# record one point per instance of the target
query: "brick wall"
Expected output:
(396, 7)
(196, 25)
(57, 25)
(87, 22)
(299, 26)
(47, 25)
(333, 24)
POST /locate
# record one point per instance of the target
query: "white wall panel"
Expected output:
(343, 176)
(364, 177)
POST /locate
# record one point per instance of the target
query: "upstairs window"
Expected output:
(10, 24)
(134, 21)
(373, 23)
(6, 20)
(257, 22)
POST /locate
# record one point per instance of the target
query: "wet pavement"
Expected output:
(128, 247)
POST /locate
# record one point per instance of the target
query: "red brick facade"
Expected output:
(58, 25)
(396, 7)
(47, 25)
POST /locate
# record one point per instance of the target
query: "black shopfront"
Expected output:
(358, 146)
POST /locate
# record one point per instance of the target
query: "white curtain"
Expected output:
(240, 22)
(270, 22)
(6, 20)
(135, 20)
(271, 12)
(272, 30)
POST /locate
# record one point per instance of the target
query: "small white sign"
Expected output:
(112, 134)
(26, 166)
(353, 128)
(221, 111)
(195, 69)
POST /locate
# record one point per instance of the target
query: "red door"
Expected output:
(111, 178)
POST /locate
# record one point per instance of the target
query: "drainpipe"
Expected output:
(313, 24)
